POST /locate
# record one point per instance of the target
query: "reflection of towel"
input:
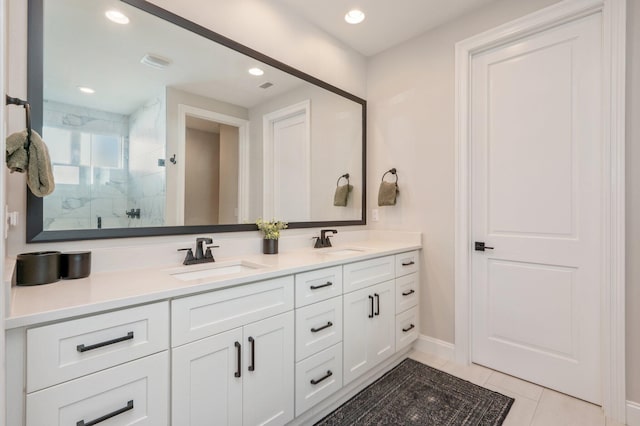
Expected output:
(387, 193)
(37, 164)
(342, 193)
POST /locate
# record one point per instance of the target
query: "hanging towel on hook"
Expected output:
(35, 163)
(341, 195)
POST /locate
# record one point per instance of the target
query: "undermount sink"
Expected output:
(343, 251)
(215, 270)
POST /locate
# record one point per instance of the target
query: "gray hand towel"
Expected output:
(37, 164)
(341, 195)
(387, 193)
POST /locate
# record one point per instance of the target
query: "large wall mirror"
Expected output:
(157, 127)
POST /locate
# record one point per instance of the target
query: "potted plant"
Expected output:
(271, 232)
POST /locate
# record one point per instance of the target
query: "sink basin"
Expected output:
(219, 269)
(340, 252)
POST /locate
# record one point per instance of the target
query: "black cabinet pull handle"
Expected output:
(327, 284)
(409, 263)
(371, 299)
(252, 342)
(408, 292)
(377, 303)
(107, 416)
(315, 330)
(83, 348)
(325, 377)
(238, 372)
(408, 328)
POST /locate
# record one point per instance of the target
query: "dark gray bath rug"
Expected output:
(416, 394)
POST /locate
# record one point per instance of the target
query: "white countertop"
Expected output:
(103, 291)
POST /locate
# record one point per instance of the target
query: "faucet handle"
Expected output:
(189, 257)
(208, 254)
(318, 243)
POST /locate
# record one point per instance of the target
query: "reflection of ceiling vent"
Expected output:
(155, 61)
(265, 85)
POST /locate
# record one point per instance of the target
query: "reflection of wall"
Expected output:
(100, 191)
(202, 180)
(336, 143)
(175, 97)
(228, 174)
(146, 178)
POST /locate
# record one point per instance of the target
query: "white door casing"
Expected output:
(243, 159)
(536, 196)
(610, 254)
(287, 163)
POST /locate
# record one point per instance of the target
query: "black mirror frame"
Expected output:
(35, 226)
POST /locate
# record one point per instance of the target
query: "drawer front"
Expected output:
(325, 370)
(135, 393)
(407, 292)
(204, 315)
(70, 349)
(406, 328)
(319, 285)
(407, 263)
(368, 272)
(318, 326)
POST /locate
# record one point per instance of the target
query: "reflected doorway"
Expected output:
(212, 169)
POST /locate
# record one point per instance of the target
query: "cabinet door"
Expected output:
(268, 384)
(206, 390)
(358, 314)
(381, 333)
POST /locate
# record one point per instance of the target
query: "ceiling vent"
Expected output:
(265, 85)
(155, 61)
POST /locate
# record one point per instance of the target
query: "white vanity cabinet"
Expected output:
(112, 366)
(407, 297)
(243, 372)
(369, 328)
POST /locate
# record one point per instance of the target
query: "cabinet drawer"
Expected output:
(70, 349)
(136, 392)
(406, 328)
(318, 326)
(319, 285)
(406, 292)
(318, 377)
(368, 272)
(407, 263)
(204, 315)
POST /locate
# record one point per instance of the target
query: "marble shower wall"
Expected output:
(98, 191)
(147, 183)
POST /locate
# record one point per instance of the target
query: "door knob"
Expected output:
(480, 246)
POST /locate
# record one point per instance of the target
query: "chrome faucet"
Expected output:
(201, 256)
(323, 240)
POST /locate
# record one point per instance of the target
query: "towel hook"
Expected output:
(346, 176)
(17, 101)
(393, 172)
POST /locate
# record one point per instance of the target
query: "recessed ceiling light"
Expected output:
(354, 16)
(256, 71)
(117, 17)
(85, 89)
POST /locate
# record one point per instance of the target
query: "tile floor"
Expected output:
(533, 406)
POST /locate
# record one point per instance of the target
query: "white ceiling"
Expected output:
(387, 23)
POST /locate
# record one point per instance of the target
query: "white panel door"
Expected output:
(536, 198)
(382, 328)
(268, 382)
(207, 381)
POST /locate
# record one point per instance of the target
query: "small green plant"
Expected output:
(271, 229)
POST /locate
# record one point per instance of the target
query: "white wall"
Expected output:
(633, 201)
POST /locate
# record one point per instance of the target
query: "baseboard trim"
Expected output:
(435, 347)
(633, 413)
